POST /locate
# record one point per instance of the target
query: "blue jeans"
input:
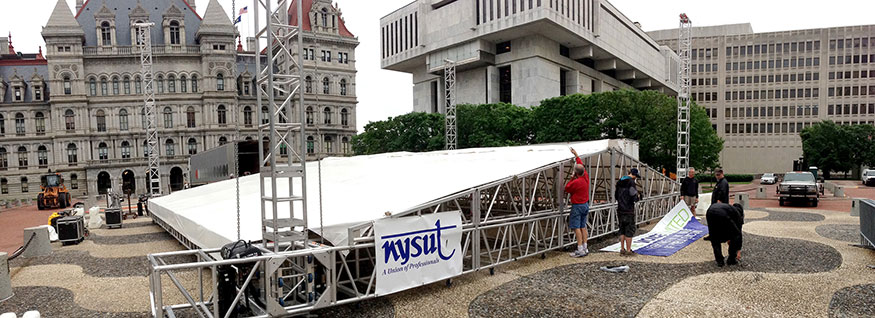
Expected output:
(577, 219)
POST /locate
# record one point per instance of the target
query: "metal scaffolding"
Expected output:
(503, 221)
(144, 44)
(683, 137)
(450, 91)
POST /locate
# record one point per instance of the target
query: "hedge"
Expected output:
(729, 177)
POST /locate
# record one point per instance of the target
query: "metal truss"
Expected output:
(685, 44)
(144, 44)
(503, 221)
(450, 91)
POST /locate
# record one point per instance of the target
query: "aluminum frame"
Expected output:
(503, 221)
(450, 95)
(685, 45)
(144, 44)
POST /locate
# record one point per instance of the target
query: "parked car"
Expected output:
(798, 186)
(869, 177)
(768, 178)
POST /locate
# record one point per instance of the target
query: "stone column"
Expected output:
(743, 199)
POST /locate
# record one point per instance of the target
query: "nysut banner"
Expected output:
(676, 230)
(417, 250)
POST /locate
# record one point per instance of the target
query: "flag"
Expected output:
(243, 10)
(237, 20)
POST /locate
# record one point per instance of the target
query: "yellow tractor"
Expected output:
(53, 194)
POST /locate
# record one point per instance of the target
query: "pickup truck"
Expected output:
(869, 177)
(798, 186)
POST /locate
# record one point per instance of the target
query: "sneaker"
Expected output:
(576, 253)
(585, 252)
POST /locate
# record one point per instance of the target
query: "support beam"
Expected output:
(605, 65)
(642, 83)
(583, 52)
(626, 75)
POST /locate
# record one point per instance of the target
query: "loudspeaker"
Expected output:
(71, 230)
(113, 217)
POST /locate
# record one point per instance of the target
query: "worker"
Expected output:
(626, 195)
(690, 190)
(578, 187)
(721, 190)
(140, 207)
(724, 225)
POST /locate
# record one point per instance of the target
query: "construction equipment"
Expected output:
(53, 194)
(685, 44)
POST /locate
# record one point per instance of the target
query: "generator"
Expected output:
(71, 229)
(113, 217)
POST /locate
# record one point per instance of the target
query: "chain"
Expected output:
(237, 178)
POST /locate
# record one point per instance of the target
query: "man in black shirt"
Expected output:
(690, 190)
(721, 190)
(724, 225)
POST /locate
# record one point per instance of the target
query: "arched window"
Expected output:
(19, 124)
(222, 115)
(344, 144)
(22, 158)
(103, 86)
(264, 115)
(194, 83)
(344, 117)
(328, 144)
(192, 146)
(126, 150)
(174, 32)
(171, 83)
(183, 84)
(146, 148)
(4, 186)
(311, 147)
(92, 85)
(247, 116)
(115, 86)
(220, 82)
(123, 120)
(190, 121)
(101, 121)
(24, 185)
(324, 17)
(4, 160)
(72, 154)
(309, 115)
(2, 125)
(74, 181)
(159, 84)
(126, 82)
(169, 150)
(103, 152)
(42, 156)
(326, 114)
(325, 86)
(69, 120)
(168, 117)
(105, 34)
(68, 87)
(138, 85)
(343, 87)
(223, 140)
(308, 84)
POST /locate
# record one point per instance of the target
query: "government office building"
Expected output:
(521, 51)
(77, 106)
(762, 89)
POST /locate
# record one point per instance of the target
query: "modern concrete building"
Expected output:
(521, 51)
(78, 110)
(762, 89)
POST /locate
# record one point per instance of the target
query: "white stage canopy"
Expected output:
(360, 189)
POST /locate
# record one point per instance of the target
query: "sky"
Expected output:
(384, 93)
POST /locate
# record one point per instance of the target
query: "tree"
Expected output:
(705, 145)
(827, 146)
(566, 118)
(409, 132)
(493, 125)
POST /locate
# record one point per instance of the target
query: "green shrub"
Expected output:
(729, 177)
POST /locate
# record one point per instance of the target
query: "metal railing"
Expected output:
(867, 222)
(133, 50)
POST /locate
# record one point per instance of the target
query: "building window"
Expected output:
(183, 84)
(174, 32)
(503, 47)
(190, 121)
(19, 124)
(115, 86)
(168, 117)
(72, 157)
(326, 113)
(74, 181)
(223, 140)
(343, 87)
(102, 152)
(325, 86)
(264, 115)
(344, 117)
(168, 148)
(222, 112)
(105, 34)
(4, 186)
(69, 120)
(309, 116)
(92, 85)
(103, 86)
(123, 120)
(344, 144)
(22, 158)
(4, 161)
(328, 144)
(171, 84)
(220, 82)
(24, 187)
(247, 116)
(159, 83)
(311, 147)
(194, 83)
(101, 121)
(566, 52)
(504, 84)
(126, 150)
(138, 85)
(67, 86)
(2, 125)
(308, 84)
(126, 82)
(42, 156)
(192, 146)
(37, 93)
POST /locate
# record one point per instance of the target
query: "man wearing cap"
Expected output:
(626, 194)
(724, 225)
(578, 187)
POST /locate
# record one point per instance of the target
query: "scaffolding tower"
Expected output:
(683, 137)
(144, 44)
(450, 91)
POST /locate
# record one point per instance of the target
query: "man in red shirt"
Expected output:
(578, 187)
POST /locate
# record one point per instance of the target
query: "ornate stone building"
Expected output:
(78, 110)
